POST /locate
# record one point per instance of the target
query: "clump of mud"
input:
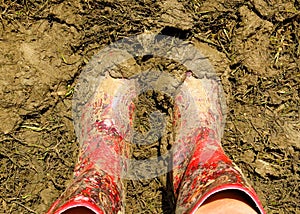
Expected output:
(153, 135)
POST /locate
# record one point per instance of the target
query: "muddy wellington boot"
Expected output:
(97, 186)
(201, 167)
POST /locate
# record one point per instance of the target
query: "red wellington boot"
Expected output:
(201, 167)
(97, 186)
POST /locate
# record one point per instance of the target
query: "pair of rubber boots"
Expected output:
(200, 167)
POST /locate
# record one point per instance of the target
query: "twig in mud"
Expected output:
(208, 41)
(24, 143)
(27, 208)
(39, 129)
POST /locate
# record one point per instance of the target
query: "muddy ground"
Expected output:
(44, 45)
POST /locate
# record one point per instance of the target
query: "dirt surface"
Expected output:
(253, 45)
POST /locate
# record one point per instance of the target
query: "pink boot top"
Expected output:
(205, 177)
(92, 189)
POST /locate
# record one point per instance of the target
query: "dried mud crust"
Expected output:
(254, 46)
